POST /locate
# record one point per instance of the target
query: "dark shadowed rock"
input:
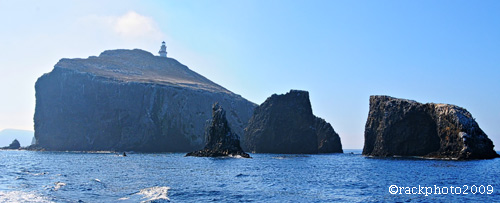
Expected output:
(286, 124)
(129, 100)
(221, 141)
(408, 128)
(328, 139)
(14, 145)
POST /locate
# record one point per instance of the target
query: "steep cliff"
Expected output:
(408, 128)
(286, 124)
(220, 139)
(129, 100)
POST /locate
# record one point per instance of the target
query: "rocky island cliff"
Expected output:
(14, 145)
(220, 139)
(286, 124)
(407, 128)
(129, 100)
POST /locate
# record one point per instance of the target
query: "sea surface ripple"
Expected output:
(32, 176)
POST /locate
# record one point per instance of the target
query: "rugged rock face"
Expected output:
(286, 124)
(328, 139)
(14, 145)
(408, 128)
(221, 140)
(129, 100)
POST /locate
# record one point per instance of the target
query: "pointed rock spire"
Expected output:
(221, 140)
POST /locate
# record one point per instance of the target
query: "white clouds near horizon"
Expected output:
(130, 25)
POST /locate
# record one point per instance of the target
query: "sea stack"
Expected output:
(286, 124)
(220, 139)
(129, 100)
(14, 145)
(407, 128)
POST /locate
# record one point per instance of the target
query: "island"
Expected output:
(129, 100)
(14, 145)
(285, 124)
(401, 127)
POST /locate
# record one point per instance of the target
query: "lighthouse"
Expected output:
(163, 50)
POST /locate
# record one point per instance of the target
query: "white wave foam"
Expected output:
(19, 196)
(58, 185)
(154, 193)
(235, 156)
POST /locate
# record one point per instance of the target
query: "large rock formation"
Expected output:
(286, 124)
(129, 100)
(221, 140)
(14, 145)
(408, 128)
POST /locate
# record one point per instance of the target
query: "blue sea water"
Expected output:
(30, 176)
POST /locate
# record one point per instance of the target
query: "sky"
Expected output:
(340, 51)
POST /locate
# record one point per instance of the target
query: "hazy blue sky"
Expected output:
(340, 51)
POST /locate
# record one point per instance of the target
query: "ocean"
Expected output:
(33, 176)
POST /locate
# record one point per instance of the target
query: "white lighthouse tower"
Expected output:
(163, 50)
